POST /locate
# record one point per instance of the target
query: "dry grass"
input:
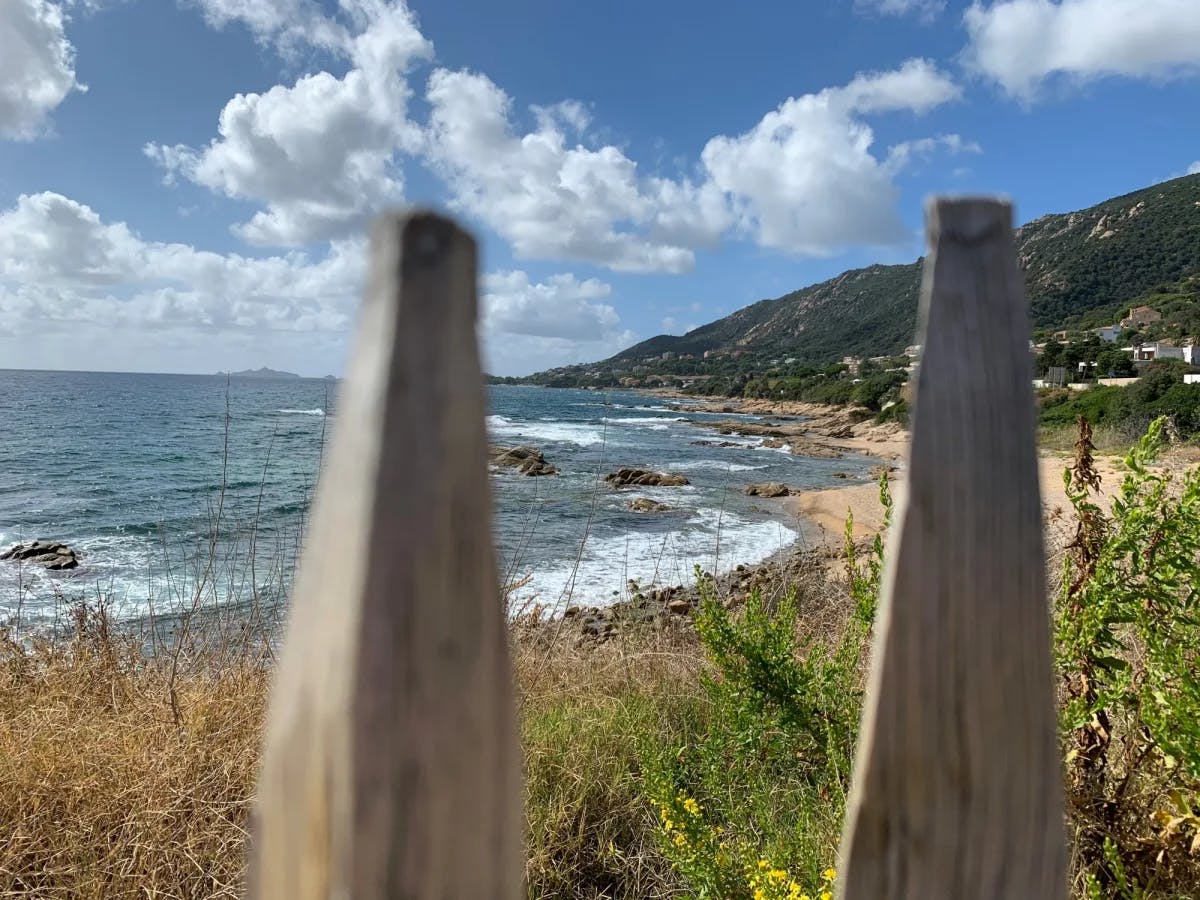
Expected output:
(104, 795)
(586, 714)
(1107, 439)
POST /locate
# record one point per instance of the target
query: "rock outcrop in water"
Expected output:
(645, 504)
(627, 476)
(768, 489)
(53, 555)
(526, 460)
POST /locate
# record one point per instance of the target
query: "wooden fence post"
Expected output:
(957, 788)
(391, 765)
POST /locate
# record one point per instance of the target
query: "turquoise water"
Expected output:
(128, 468)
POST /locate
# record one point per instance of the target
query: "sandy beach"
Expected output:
(825, 511)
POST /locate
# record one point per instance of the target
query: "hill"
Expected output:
(1080, 268)
(264, 372)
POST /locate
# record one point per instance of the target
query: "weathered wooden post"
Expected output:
(957, 788)
(391, 765)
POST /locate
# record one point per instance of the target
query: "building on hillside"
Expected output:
(912, 351)
(1191, 354)
(1155, 350)
(1191, 379)
(852, 364)
(1062, 336)
(1140, 315)
(667, 356)
(1108, 333)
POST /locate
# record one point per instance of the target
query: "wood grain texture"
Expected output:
(391, 765)
(957, 788)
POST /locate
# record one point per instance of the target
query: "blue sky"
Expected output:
(184, 186)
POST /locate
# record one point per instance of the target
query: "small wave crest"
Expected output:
(582, 434)
(714, 539)
(716, 464)
(301, 412)
(652, 421)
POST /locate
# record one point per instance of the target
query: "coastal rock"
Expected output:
(526, 460)
(767, 430)
(707, 443)
(876, 471)
(768, 489)
(773, 443)
(53, 555)
(627, 476)
(804, 447)
(645, 504)
(679, 606)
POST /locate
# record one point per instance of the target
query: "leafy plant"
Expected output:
(1127, 650)
(753, 806)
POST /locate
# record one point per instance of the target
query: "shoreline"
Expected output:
(819, 515)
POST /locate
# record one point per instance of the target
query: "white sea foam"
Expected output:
(579, 433)
(652, 421)
(714, 540)
(717, 464)
(133, 576)
(301, 412)
(785, 449)
(740, 439)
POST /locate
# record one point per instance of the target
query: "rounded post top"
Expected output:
(967, 219)
(422, 235)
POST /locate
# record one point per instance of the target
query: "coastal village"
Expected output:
(1128, 337)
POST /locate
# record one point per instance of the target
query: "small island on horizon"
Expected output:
(264, 372)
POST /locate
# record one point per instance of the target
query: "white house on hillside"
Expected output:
(1161, 350)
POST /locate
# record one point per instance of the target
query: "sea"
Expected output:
(179, 489)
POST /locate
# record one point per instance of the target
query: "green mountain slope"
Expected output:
(1093, 261)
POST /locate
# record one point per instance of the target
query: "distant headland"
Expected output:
(264, 372)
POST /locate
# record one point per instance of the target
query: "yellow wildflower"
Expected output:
(825, 895)
(680, 839)
(829, 874)
(760, 894)
(691, 806)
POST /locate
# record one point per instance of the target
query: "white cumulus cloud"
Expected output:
(924, 10)
(1020, 43)
(60, 262)
(37, 66)
(804, 178)
(560, 307)
(528, 325)
(555, 199)
(1194, 168)
(65, 273)
(320, 154)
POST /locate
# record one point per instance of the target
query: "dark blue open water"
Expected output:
(128, 468)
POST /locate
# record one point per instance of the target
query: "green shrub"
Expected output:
(1128, 655)
(752, 807)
